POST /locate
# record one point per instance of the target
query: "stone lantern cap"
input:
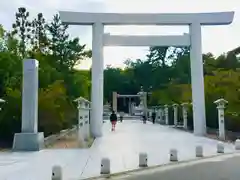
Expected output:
(156, 107)
(185, 104)
(221, 102)
(82, 102)
(175, 105)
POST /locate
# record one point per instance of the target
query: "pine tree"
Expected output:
(22, 29)
(39, 41)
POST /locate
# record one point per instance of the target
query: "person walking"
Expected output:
(113, 119)
(144, 118)
(153, 117)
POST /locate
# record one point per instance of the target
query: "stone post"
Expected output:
(221, 123)
(114, 101)
(159, 119)
(29, 139)
(133, 108)
(159, 115)
(162, 114)
(129, 106)
(184, 112)
(144, 98)
(175, 108)
(166, 114)
(86, 119)
(80, 122)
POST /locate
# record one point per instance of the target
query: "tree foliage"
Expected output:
(59, 82)
(166, 73)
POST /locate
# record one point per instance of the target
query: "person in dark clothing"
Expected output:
(153, 117)
(113, 119)
(144, 118)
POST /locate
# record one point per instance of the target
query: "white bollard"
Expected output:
(143, 160)
(173, 155)
(237, 144)
(220, 147)
(56, 173)
(105, 166)
(199, 151)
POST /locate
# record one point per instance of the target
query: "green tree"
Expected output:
(39, 40)
(22, 29)
(2, 39)
(59, 81)
(157, 55)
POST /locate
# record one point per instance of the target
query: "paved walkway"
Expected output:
(121, 146)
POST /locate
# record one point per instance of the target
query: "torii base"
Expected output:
(28, 141)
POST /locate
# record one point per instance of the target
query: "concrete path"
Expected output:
(121, 146)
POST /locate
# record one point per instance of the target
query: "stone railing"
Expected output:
(48, 141)
(163, 114)
(230, 135)
(163, 117)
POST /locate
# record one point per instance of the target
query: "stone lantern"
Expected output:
(2, 101)
(83, 118)
(221, 123)
(161, 114)
(166, 114)
(175, 109)
(184, 112)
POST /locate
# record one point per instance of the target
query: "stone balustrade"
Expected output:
(163, 114)
(220, 107)
(55, 137)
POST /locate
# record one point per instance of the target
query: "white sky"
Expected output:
(217, 39)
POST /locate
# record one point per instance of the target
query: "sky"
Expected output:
(217, 39)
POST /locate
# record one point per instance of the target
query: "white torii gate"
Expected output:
(194, 40)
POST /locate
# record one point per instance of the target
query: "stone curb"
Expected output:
(170, 164)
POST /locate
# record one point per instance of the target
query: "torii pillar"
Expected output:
(97, 80)
(114, 101)
(197, 79)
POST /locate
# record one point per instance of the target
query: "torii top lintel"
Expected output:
(84, 18)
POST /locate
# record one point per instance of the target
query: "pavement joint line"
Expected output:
(155, 167)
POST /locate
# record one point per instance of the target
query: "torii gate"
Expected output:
(193, 40)
(115, 97)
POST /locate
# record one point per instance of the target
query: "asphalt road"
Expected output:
(220, 168)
